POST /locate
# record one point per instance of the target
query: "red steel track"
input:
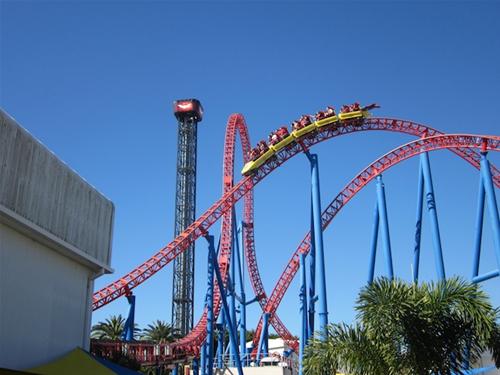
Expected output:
(232, 194)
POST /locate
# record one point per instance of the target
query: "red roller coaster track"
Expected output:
(244, 188)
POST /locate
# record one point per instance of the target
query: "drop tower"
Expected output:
(188, 113)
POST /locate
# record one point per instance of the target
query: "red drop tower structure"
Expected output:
(188, 113)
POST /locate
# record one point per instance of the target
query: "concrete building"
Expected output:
(55, 239)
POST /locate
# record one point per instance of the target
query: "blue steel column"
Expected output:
(195, 367)
(203, 358)
(232, 331)
(128, 332)
(418, 223)
(175, 370)
(220, 340)
(431, 207)
(382, 210)
(210, 305)
(492, 204)
(243, 316)
(303, 310)
(261, 349)
(479, 228)
(318, 239)
(373, 245)
(232, 291)
(312, 279)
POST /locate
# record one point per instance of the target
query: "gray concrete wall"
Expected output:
(35, 184)
(44, 302)
(55, 239)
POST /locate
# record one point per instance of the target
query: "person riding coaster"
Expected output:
(329, 112)
(278, 135)
(355, 107)
(258, 150)
(296, 125)
(305, 120)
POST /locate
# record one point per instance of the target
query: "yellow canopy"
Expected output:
(76, 362)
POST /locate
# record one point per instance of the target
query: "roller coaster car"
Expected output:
(326, 117)
(280, 138)
(258, 156)
(348, 112)
(305, 125)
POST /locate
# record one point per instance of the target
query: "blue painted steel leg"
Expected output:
(303, 310)
(175, 370)
(418, 224)
(431, 207)
(196, 370)
(232, 292)
(373, 245)
(203, 359)
(384, 221)
(265, 344)
(212, 258)
(318, 239)
(479, 229)
(232, 331)
(128, 331)
(261, 349)
(492, 204)
(241, 272)
(220, 340)
(312, 279)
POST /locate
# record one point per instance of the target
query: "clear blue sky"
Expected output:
(94, 81)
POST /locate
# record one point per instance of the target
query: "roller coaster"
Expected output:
(258, 164)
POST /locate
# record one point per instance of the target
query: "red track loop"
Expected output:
(227, 201)
(406, 151)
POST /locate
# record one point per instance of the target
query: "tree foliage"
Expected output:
(111, 329)
(160, 332)
(408, 329)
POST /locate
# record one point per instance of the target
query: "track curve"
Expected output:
(200, 227)
(406, 151)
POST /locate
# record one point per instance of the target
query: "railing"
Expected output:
(142, 352)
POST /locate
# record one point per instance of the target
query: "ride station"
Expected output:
(232, 256)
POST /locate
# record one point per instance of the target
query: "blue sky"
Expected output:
(94, 81)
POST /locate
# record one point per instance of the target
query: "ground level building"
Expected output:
(55, 239)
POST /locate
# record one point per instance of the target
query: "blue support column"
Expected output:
(203, 359)
(384, 221)
(303, 310)
(212, 258)
(492, 204)
(312, 280)
(220, 340)
(373, 245)
(243, 317)
(261, 349)
(418, 224)
(431, 207)
(196, 369)
(175, 370)
(128, 330)
(231, 290)
(318, 240)
(479, 229)
(232, 331)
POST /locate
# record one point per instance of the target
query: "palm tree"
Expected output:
(111, 329)
(410, 329)
(160, 332)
